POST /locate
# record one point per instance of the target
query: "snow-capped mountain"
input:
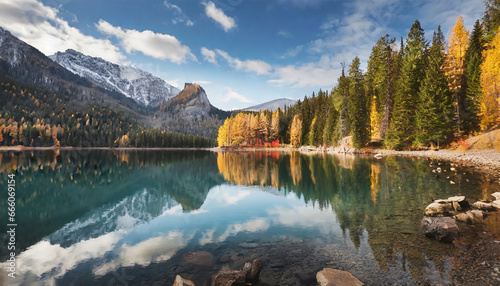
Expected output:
(272, 105)
(145, 88)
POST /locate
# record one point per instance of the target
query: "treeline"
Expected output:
(413, 94)
(39, 117)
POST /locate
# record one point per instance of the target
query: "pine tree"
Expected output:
(435, 110)
(491, 17)
(379, 84)
(458, 42)
(306, 120)
(413, 62)
(330, 133)
(343, 89)
(358, 106)
(473, 94)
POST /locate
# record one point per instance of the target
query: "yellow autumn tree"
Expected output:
(222, 137)
(490, 82)
(454, 67)
(295, 130)
(275, 121)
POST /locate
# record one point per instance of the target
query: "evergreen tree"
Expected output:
(379, 84)
(343, 89)
(358, 106)
(435, 110)
(491, 17)
(473, 61)
(330, 134)
(413, 62)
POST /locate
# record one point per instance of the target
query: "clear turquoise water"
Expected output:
(128, 217)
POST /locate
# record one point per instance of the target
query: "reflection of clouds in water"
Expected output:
(306, 217)
(256, 225)
(177, 210)
(223, 196)
(43, 258)
(154, 249)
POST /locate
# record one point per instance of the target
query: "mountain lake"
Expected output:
(135, 217)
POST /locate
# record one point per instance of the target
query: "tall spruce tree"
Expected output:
(414, 58)
(343, 89)
(379, 84)
(435, 110)
(473, 61)
(358, 106)
(330, 134)
(491, 17)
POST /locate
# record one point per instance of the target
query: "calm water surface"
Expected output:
(129, 217)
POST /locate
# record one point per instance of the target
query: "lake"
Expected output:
(108, 217)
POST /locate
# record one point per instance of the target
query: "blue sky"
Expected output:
(243, 52)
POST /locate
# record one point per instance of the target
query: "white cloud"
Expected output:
(218, 16)
(156, 45)
(230, 95)
(257, 66)
(180, 16)
(42, 27)
(208, 55)
(322, 73)
(292, 52)
(202, 82)
(285, 34)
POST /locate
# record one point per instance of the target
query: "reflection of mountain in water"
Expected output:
(81, 194)
(384, 198)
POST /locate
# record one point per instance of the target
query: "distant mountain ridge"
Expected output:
(272, 105)
(145, 88)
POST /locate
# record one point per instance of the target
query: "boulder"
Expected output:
(252, 270)
(438, 208)
(198, 260)
(460, 200)
(496, 195)
(179, 281)
(470, 217)
(378, 156)
(334, 277)
(229, 278)
(443, 229)
(484, 206)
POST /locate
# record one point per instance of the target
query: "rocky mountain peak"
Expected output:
(145, 88)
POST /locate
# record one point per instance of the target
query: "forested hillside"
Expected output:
(415, 93)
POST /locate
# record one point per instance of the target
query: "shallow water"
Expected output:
(129, 217)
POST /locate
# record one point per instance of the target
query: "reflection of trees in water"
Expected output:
(58, 187)
(384, 197)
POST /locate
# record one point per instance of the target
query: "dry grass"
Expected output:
(486, 141)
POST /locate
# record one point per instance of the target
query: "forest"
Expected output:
(414, 94)
(39, 117)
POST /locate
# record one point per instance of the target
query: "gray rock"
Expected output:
(334, 277)
(179, 281)
(444, 229)
(225, 258)
(229, 278)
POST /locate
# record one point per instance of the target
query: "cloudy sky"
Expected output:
(243, 52)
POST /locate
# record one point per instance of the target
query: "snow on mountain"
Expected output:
(145, 88)
(272, 105)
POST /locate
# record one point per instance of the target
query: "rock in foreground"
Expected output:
(334, 277)
(444, 229)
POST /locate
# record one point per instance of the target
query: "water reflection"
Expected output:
(86, 215)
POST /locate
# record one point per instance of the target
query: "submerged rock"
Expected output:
(198, 260)
(229, 278)
(334, 277)
(444, 229)
(179, 281)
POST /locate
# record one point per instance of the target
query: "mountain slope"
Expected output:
(145, 88)
(272, 105)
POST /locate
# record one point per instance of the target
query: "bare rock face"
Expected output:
(229, 278)
(179, 281)
(334, 277)
(444, 229)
